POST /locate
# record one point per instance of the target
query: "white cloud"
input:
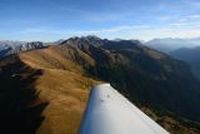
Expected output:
(194, 16)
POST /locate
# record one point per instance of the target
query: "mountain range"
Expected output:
(13, 47)
(170, 44)
(49, 86)
(186, 50)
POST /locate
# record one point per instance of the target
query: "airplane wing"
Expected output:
(108, 112)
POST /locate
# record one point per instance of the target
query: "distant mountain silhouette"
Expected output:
(170, 44)
(13, 47)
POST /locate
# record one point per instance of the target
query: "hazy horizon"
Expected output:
(79, 36)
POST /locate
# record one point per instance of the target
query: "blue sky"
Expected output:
(49, 20)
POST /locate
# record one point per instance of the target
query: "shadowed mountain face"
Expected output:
(191, 56)
(20, 106)
(150, 79)
(143, 74)
(187, 50)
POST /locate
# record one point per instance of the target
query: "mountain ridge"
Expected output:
(168, 45)
(140, 73)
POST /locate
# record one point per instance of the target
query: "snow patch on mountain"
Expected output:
(13, 47)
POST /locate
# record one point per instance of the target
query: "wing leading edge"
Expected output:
(108, 112)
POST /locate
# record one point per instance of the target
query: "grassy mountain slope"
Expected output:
(62, 84)
(153, 81)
